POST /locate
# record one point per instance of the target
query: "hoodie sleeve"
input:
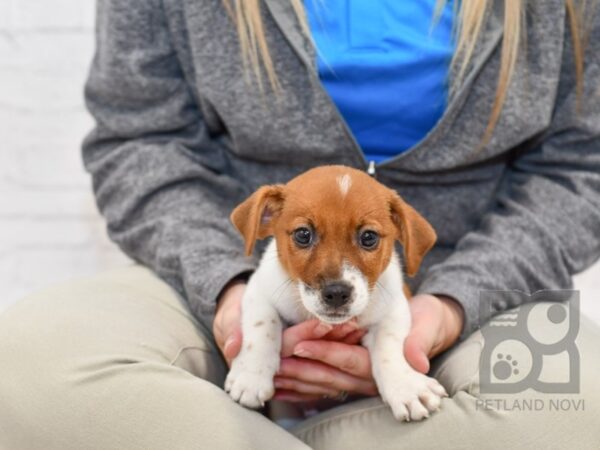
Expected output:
(159, 177)
(545, 223)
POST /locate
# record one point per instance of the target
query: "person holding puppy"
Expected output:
(492, 134)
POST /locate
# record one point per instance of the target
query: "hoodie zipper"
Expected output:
(372, 169)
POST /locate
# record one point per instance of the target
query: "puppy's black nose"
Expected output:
(336, 293)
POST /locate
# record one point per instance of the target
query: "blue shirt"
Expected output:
(384, 63)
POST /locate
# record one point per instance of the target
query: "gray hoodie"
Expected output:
(182, 136)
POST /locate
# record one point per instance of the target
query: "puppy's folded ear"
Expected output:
(414, 232)
(254, 217)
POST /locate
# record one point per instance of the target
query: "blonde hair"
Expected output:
(471, 17)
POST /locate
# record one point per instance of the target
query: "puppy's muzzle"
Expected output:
(336, 294)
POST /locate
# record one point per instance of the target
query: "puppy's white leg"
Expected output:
(410, 394)
(250, 379)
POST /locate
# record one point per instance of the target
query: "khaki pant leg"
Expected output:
(118, 362)
(463, 421)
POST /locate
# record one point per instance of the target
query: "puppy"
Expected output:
(333, 258)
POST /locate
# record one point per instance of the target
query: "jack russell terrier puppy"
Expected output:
(333, 258)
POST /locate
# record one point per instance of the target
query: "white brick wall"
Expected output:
(44, 15)
(49, 228)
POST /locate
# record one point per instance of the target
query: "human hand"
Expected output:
(324, 366)
(227, 324)
(437, 322)
(337, 363)
(320, 360)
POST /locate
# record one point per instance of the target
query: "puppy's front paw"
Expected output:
(251, 387)
(412, 395)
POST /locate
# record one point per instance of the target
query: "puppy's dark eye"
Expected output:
(368, 239)
(303, 237)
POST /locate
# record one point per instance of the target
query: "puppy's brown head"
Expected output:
(335, 229)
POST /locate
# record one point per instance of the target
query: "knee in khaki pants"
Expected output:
(117, 361)
(463, 421)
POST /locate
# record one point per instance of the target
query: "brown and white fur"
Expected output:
(334, 279)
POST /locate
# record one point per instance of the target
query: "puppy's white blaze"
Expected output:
(360, 296)
(344, 182)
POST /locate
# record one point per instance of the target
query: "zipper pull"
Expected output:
(371, 169)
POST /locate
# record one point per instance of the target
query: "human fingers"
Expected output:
(295, 397)
(355, 337)
(314, 329)
(233, 344)
(352, 359)
(436, 323)
(342, 331)
(303, 387)
(315, 372)
(416, 350)
(227, 328)
(308, 330)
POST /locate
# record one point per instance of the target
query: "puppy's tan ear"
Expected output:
(414, 232)
(254, 217)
